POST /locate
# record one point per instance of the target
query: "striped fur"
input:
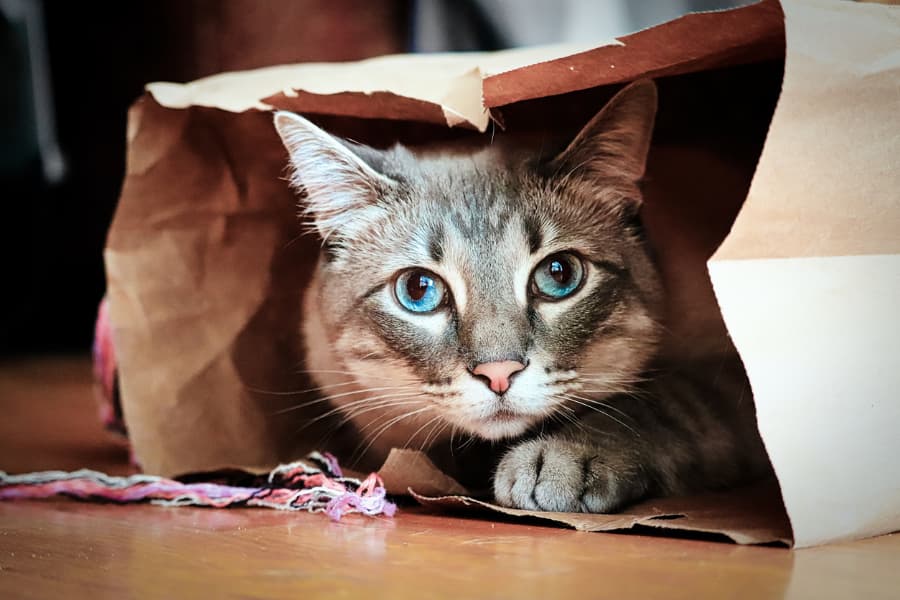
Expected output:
(597, 419)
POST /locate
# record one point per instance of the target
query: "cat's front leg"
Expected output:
(569, 473)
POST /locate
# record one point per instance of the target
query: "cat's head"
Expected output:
(488, 290)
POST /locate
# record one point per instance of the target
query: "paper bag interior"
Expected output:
(207, 264)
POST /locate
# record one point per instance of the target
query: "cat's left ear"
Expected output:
(342, 190)
(614, 144)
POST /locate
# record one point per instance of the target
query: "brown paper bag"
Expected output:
(809, 278)
(206, 265)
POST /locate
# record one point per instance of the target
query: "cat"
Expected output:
(510, 295)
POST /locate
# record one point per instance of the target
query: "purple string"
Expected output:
(372, 504)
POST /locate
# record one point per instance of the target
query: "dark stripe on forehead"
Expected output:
(460, 222)
(533, 231)
(436, 243)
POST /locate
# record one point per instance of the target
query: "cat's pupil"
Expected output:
(561, 272)
(417, 286)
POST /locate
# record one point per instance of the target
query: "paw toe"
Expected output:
(540, 475)
(558, 484)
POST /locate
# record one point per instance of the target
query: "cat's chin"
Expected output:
(501, 425)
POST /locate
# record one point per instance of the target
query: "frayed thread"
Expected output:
(314, 485)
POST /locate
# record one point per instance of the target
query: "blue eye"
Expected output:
(419, 291)
(558, 276)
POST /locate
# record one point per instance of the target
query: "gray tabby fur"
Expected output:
(598, 418)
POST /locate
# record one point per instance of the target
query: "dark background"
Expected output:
(98, 56)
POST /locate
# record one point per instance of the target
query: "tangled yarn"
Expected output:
(315, 484)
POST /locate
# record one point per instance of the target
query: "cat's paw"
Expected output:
(558, 474)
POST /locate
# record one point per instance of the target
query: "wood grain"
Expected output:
(65, 549)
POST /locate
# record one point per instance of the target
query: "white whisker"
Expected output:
(296, 392)
(366, 401)
(373, 437)
(339, 372)
(416, 432)
(597, 409)
(344, 394)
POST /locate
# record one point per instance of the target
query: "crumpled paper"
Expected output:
(206, 265)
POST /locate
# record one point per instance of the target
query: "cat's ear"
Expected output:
(341, 189)
(614, 144)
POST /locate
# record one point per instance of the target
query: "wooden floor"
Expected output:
(65, 549)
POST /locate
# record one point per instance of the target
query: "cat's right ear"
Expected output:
(341, 189)
(615, 143)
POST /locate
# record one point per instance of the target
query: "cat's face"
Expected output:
(486, 291)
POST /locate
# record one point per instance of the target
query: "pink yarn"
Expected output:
(309, 485)
(332, 463)
(369, 499)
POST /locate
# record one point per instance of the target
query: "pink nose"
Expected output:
(498, 373)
